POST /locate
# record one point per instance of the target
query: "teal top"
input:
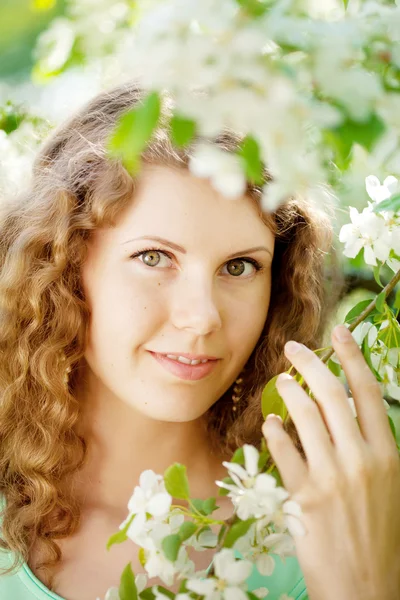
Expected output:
(286, 578)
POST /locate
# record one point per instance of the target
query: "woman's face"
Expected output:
(176, 276)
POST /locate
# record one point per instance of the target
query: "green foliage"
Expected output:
(377, 274)
(10, 118)
(170, 545)
(182, 130)
(381, 302)
(271, 401)
(120, 536)
(334, 367)
(148, 593)
(237, 531)
(396, 304)
(204, 507)
(134, 131)
(238, 457)
(186, 530)
(342, 138)
(249, 152)
(392, 203)
(127, 587)
(254, 8)
(176, 481)
(357, 310)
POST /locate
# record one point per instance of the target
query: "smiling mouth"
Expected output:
(191, 370)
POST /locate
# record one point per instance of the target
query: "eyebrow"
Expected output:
(178, 248)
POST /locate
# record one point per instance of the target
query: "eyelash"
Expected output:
(258, 266)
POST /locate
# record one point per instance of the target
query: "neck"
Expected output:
(122, 443)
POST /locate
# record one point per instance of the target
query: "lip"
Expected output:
(188, 372)
(189, 356)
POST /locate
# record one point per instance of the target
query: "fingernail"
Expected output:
(292, 347)
(283, 377)
(273, 416)
(342, 334)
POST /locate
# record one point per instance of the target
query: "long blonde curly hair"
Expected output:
(44, 315)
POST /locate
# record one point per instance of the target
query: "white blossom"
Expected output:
(230, 578)
(367, 230)
(221, 167)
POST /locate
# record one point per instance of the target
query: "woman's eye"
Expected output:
(237, 267)
(151, 258)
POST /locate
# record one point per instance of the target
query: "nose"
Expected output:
(194, 307)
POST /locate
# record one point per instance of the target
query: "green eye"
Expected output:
(236, 267)
(151, 258)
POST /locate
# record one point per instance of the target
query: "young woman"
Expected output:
(109, 285)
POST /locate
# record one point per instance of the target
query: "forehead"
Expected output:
(173, 201)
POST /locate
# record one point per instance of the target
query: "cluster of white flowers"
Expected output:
(385, 361)
(288, 77)
(152, 518)
(377, 233)
(17, 152)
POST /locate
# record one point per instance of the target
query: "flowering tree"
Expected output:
(316, 96)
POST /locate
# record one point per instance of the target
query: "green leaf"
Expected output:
(349, 132)
(334, 367)
(376, 271)
(182, 130)
(263, 459)
(170, 545)
(238, 456)
(392, 427)
(120, 536)
(357, 310)
(198, 504)
(367, 355)
(209, 506)
(237, 531)
(254, 8)
(390, 336)
(221, 533)
(147, 594)
(127, 587)
(176, 481)
(165, 591)
(249, 152)
(381, 302)
(345, 4)
(252, 596)
(134, 130)
(183, 589)
(392, 203)
(396, 304)
(271, 402)
(186, 530)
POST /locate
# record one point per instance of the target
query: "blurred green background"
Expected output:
(20, 25)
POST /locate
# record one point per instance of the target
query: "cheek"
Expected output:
(247, 323)
(124, 315)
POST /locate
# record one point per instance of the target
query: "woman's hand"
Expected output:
(349, 488)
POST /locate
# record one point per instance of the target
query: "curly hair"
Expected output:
(44, 315)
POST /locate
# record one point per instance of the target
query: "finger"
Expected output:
(291, 465)
(330, 395)
(309, 424)
(368, 400)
